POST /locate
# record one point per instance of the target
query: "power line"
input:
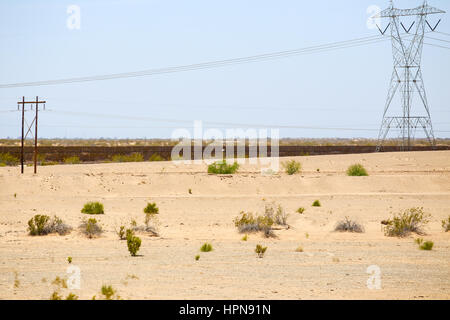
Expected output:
(208, 65)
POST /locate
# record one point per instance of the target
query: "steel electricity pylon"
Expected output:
(407, 45)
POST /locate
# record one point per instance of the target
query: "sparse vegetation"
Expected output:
(357, 170)
(60, 282)
(348, 225)
(72, 160)
(273, 215)
(108, 292)
(424, 245)
(299, 249)
(93, 208)
(316, 203)
(245, 238)
(446, 224)
(133, 243)
(134, 157)
(91, 228)
(69, 259)
(197, 257)
(55, 296)
(406, 222)
(292, 167)
(121, 233)
(301, 210)
(72, 296)
(41, 225)
(260, 250)
(6, 159)
(155, 157)
(150, 211)
(206, 247)
(222, 167)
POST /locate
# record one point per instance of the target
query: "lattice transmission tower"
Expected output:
(407, 45)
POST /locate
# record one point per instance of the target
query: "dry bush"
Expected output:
(292, 167)
(90, 228)
(446, 224)
(41, 225)
(348, 225)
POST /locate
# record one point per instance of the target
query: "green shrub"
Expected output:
(206, 247)
(356, 170)
(108, 292)
(301, 210)
(260, 250)
(316, 203)
(90, 228)
(69, 259)
(197, 257)
(72, 160)
(348, 225)
(133, 243)
(402, 224)
(129, 233)
(93, 208)
(6, 159)
(55, 296)
(245, 238)
(134, 157)
(155, 157)
(121, 233)
(221, 167)
(71, 296)
(292, 167)
(427, 245)
(446, 224)
(41, 225)
(38, 225)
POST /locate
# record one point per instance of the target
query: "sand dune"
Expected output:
(332, 266)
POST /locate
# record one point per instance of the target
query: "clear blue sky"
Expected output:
(342, 88)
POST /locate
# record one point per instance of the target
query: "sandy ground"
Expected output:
(332, 266)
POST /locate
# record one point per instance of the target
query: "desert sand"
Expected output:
(333, 265)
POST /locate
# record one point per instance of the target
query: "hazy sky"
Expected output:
(343, 88)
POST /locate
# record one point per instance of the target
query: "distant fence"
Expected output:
(93, 154)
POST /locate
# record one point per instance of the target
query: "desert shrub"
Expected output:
(402, 224)
(155, 157)
(150, 210)
(279, 217)
(206, 247)
(357, 170)
(60, 282)
(108, 292)
(38, 225)
(301, 210)
(93, 208)
(446, 224)
(121, 233)
(55, 296)
(316, 203)
(72, 296)
(299, 249)
(250, 223)
(6, 159)
(69, 259)
(134, 157)
(260, 250)
(292, 167)
(41, 225)
(129, 233)
(222, 167)
(90, 228)
(133, 243)
(197, 257)
(427, 245)
(348, 225)
(245, 238)
(72, 160)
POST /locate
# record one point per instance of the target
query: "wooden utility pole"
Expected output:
(24, 135)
